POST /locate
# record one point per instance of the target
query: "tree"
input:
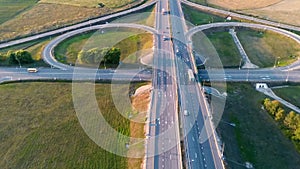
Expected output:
(290, 120)
(279, 114)
(11, 57)
(112, 56)
(23, 57)
(19, 57)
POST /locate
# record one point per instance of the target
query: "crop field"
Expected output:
(282, 11)
(267, 49)
(242, 4)
(51, 15)
(127, 40)
(286, 11)
(256, 138)
(39, 128)
(91, 3)
(11, 8)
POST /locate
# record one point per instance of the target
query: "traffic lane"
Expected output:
(249, 75)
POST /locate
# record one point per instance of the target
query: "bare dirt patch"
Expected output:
(243, 4)
(140, 103)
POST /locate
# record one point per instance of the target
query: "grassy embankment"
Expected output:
(256, 138)
(267, 49)
(128, 41)
(290, 94)
(197, 17)
(39, 128)
(30, 17)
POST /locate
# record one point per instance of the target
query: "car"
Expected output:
(186, 113)
(165, 38)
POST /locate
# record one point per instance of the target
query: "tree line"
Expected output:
(17, 57)
(100, 56)
(288, 121)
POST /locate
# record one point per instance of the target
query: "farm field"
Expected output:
(256, 138)
(50, 15)
(267, 49)
(282, 11)
(11, 8)
(40, 129)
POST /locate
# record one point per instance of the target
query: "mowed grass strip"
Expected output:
(267, 49)
(256, 138)
(290, 94)
(11, 8)
(39, 128)
(129, 41)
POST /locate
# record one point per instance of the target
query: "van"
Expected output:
(32, 70)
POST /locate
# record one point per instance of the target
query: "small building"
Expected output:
(261, 85)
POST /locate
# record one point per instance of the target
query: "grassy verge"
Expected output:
(197, 17)
(256, 138)
(225, 47)
(290, 94)
(39, 128)
(128, 41)
(266, 49)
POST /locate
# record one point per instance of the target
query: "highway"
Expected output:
(77, 26)
(201, 149)
(164, 126)
(172, 88)
(19, 74)
(250, 75)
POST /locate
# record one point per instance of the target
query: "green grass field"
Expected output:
(11, 8)
(226, 48)
(39, 128)
(290, 94)
(256, 138)
(129, 41)
(266, 49)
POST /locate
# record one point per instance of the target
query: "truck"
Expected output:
(191, 75)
